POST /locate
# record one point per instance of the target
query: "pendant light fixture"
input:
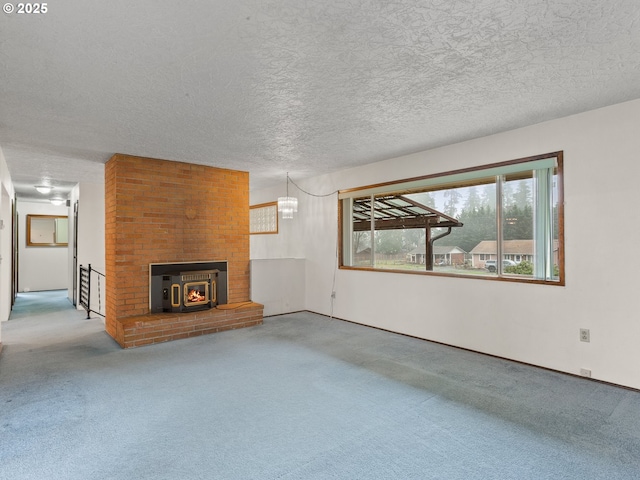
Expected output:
(287, 205)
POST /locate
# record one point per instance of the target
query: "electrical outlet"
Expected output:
(585, 336)
(585, 372)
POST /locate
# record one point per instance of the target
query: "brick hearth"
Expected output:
(162, 327)
(160, 211)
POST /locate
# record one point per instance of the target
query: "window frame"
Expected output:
(270, 211)
(461, 178)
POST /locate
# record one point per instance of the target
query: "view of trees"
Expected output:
(475, 207)
(505, 219)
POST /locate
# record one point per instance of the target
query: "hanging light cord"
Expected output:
(333, 282)
(305, 192)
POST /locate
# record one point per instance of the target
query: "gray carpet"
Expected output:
(301, 397)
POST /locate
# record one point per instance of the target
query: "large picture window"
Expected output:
(500, 221)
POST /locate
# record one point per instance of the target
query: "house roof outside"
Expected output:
(437, 250)
(522, 247)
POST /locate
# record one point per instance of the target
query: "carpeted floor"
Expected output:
(300, 397)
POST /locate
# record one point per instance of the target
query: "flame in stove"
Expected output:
(195, 296)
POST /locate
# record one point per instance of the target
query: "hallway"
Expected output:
(35, 304)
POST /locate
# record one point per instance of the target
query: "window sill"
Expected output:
(477, 276)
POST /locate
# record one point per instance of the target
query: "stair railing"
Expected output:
(85, 290)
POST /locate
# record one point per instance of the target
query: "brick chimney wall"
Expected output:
(160, 211)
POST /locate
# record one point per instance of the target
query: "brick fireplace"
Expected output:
(160, 211)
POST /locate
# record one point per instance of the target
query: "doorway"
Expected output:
(74, 297)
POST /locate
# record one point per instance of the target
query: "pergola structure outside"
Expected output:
(395, 212)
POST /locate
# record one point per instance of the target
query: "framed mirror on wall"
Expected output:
(47, 231)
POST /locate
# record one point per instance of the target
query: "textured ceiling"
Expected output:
(303, 86)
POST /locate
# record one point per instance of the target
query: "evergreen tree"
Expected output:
(388, 242)
(518, 223)
(488, 197)
(507, 195)
(453, 197)
(425, 198)
(479, 225)
(412, 238)
(523, 195)
(473, 201)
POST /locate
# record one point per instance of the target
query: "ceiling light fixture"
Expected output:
(287, 205)
(44, 189)
(57, 201)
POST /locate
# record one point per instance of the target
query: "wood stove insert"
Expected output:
(187, 287)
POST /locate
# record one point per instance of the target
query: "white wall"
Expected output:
(541, 323)
(6, 196)
(5, 253)
(73, 198)
(91, 247)
(275, 290)
(40, 268)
